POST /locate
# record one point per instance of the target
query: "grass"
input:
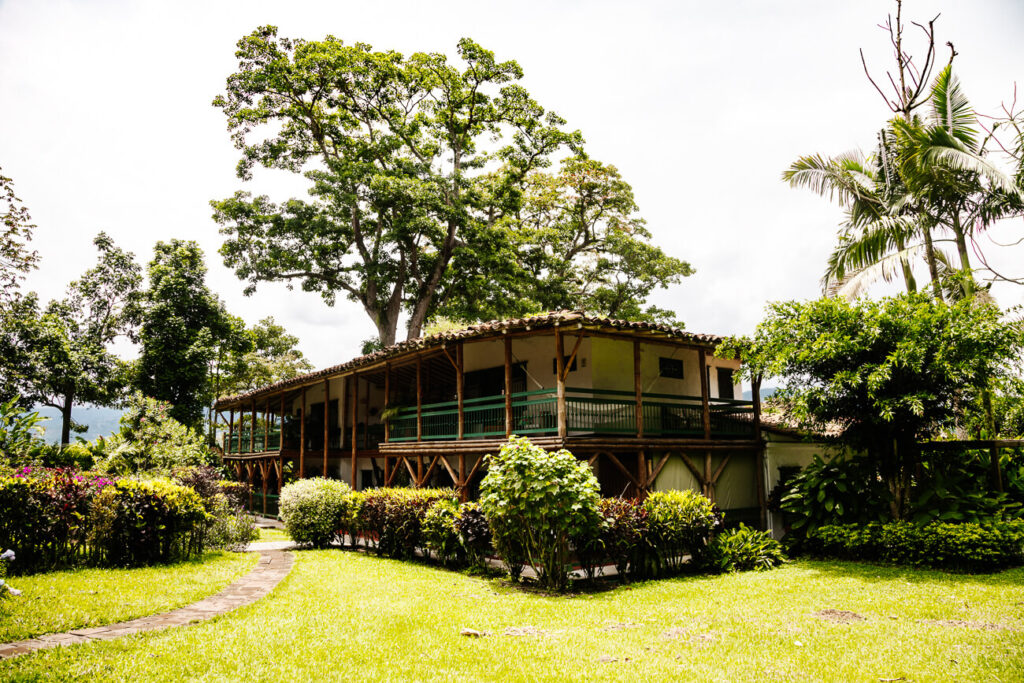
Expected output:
(345, 615)
(59, 601)
(273, 535)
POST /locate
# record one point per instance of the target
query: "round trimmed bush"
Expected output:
(315, 510)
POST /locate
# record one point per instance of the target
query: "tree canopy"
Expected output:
(884, 374)
(16, 227)
(181, 328)
(418, 169)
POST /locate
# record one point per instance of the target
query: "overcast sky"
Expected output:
(106, 124)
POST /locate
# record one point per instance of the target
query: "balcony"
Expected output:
(588, 412)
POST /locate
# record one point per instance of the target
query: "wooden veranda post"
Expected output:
(266, 426)
(508, 385)
(387, 401)
(252, 428)
(705, 394)
(302, 435)
(755, 395)
(280, 432)
(327, 422)
(419, 398)
(638, 388)
(231, 432)
(560, 383)
(355, 427)
(460, 389)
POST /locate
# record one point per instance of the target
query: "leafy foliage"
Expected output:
(151, 440)
(417, 168)
(680, 523)
(16, 228)
(883, 375)
(182, 326)
(392, 519)
(744, 549)
(474, 533)
(836, 491)
(439, 532)
(535, 503)
(20, 432)
(962, 546)
(314, 510)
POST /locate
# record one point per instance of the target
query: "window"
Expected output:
(670, 367)
(554, 365)
(725, 384)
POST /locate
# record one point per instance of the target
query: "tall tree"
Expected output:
(417, 170)
(576, 242)
(181, 326)
(268, 355)
(16, 227)
(64, 348)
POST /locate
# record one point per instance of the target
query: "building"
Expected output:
(648, 406)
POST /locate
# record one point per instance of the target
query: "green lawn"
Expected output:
(59, 601)
(273, 535)
(343, 615)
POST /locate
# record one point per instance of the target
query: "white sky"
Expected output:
(106, 123)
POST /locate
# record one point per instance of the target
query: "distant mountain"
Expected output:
(101, 421)
(765, 393)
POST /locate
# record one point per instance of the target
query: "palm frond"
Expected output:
(888, 268)
(862, 247)
(950, 109)
(956, 158)
(846, 176)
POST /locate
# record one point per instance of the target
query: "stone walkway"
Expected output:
(273, 565)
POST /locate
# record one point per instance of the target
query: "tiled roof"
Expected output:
(491, 328)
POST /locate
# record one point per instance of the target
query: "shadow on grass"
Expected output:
(876, 573)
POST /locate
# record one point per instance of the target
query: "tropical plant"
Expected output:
(19, 431)
(744, 549)
(536, 502)
(680, 524)
(151, 440)
(439, 530)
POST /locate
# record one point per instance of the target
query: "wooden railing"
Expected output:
(593, 411)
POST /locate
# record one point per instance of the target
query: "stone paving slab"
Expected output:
(273, 565)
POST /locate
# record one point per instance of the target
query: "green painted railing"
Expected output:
(273, 441)
(597, 411)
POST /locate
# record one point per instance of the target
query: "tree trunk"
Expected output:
(933, 266)
(65, 417)
(965, 257)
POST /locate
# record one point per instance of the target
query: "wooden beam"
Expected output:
(994, 469)
(638, 390)
(718, 470)
(693, 469)
(355, 428)
(469, 477)
(231, 432)
(708, 481)
(252, 428)
(705, 394)
(419, 398)
(641, 466)
(266, 426)
(327, 422)
(508, 386)
(449, 356)
(412, 472)
(460, 377)
(430, 469)
(419, 470)
(280, 429)
(451, 471)
(657, 468)
(622, 468)
(302, 435)
(387, 400)
(572, 356)
(560, 383)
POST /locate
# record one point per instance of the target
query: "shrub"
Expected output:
(20, 432)
(313, 510)
(391, 519)
(137, 523)
(474, 533)
(152, 441)
(960, 546)
(439, 531)
(625, 537)
(837, 491)
(744, 549)
(680, 523)
(535, 503)
(229, 526)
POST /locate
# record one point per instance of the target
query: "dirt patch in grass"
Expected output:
(838, 616)
(962, 623)
(619, 626)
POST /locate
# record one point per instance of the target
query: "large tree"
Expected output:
(882, 375)
(181, 327)
(16, 227)
(265, 354)
(417, 171)
(62, 351)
